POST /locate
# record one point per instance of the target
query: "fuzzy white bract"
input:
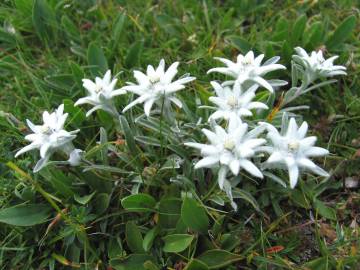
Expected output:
(49, 137)
(156, 86)
(315, 65)
(249, 68)
(234, 101)
(229, 149)
(293, 150)
(100, 94)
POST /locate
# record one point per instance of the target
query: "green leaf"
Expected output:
(218, 258)
(25, 215)
(134, 238)
(77, 115)
(342, 32)
(194, 216)
(177, 242)
(44, 20)
(118, 27)
(96, 59)
(149, 238)
(318, 264)
(102, 202)
(195, 264)
(169, 212)
(315, 34)
(298, 29)
(84, 199)
(242, 194)
(149, 265)
(133, 55)
(70, 28)
(139, 203)
(132, 262)
(239, 43)
(129, 137)
(325, 211)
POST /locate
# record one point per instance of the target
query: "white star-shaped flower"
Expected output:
(293, 150)
(230, 149)
(234, 101)
(316, 66)
(100, 94)
(249, 68)
(49, 137)
(156, 85)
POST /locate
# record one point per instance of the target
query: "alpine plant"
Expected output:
(243, 138)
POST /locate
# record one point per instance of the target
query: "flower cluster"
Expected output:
(239, 140)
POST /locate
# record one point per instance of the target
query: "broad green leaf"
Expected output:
(218, 258)
(239, 43)
(315, 34)
(298, 29)
(195, 264)
(70, 28)
(132, 262)
(240, 193)
(129, 137)
(118, 27)
(177, 242)
(149, 238)
(325, 211)
(134, 238)
(84, 199)
(25, 215)
(102, 202)
(76, 114)
(96, 59)
(194, 215)
(321, 263)
(44, 20)
(169, 212)
(149, 265)
(139, 203)
(133, 55)
(342, 32)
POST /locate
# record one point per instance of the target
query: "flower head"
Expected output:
(49, 137)
(234, 101)
(230, 149)
(249, 68)
(100, 94)
(293, 150)
(156, 85)
(316, 65)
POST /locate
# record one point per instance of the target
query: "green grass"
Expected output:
(53, 48)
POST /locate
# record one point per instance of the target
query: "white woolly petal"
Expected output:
(293, 175)
(222, 176)
(251, 168)
(263, 83)
(26, 149)
(147, 106)
(275, 157)
(207, 162)
(235, 166)
(315, 151)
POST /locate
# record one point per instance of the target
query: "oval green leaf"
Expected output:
(177, 242)
(194, 216)
(25, 215)
(139, 203)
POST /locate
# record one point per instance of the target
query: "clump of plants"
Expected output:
(169, 176)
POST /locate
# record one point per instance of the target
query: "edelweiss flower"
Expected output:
(156, 85)
(316, 66)
(234, 101)
(229, 149)
(248, 68)
(49, 137)
(293, 150)
(101, 93)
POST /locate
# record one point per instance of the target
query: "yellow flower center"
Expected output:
(45, 129)
(98, 88)
(232, 101)
(229, 144)
(154, 78)
(293, 146)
